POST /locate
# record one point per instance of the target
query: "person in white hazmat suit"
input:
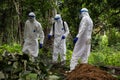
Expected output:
(60, 31)
(32, 33)
(83, 40)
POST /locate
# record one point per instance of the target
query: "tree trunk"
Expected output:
(19, 21)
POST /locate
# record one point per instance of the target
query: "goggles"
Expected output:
(31, 16)
(83, 11)
(57, 18)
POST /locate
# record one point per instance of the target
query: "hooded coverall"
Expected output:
(59, 46)
(82, 47)
(32, 32)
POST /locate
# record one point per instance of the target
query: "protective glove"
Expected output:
(63, 37)
(40, 45)
(49, 36)
(75, 40)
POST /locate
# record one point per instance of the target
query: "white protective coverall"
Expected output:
(32, 32)
(82, 47)
(59, 46)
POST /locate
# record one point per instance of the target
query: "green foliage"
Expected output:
(111, 39)
(103, 42)
(68, 57)
(14, 48)
(106, 52)
(113, 36)
(70, 13)
(105, 56)
(16, 66)
(40, 69)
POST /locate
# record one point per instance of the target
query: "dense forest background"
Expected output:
(105, 49)
(13, 14)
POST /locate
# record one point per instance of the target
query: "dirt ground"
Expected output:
(89, 72)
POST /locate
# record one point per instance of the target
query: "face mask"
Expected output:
(31, 18)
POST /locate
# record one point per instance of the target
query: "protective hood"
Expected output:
(31, 16)
(57, 17)
(84, 12)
